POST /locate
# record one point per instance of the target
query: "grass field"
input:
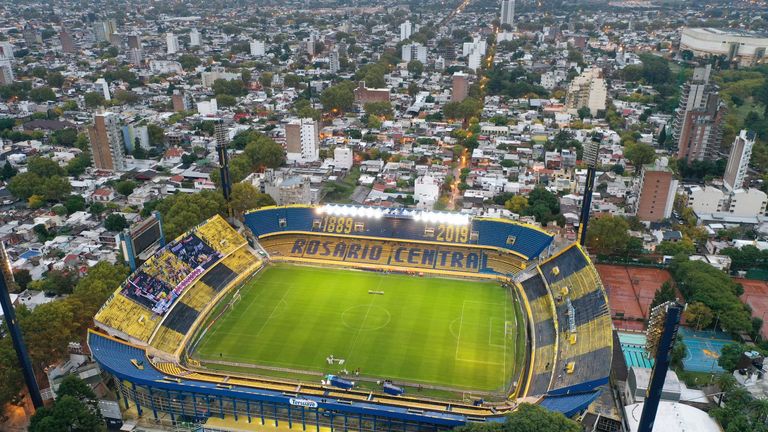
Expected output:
(456, 334)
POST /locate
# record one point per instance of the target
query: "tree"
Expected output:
(679, 352)
(584, 112)
(684, 246)
(266, 79)
(730, 356)
(74, 203)
(97, 208)
(246, 197)
(56, 282)
(664, 294)
(338, 98)
(125, 187)
(75, 409)
(65, 137)
(22, 278)
(55, 79)
(226, 100)
(415, 68)
(639, 154)
(115, 222)
(379, 109)
(264, 152)
(189, 61)
(527, 418)
(517, 204)
(182, 212)
(8, 171)
(42, 94)
(44, 167)
(94, 99)
(698, 315)
(608, 235)
(229, 87)
(156, 135)
(77, 165)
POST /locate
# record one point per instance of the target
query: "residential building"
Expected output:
(258, 48)
(697, 128)
(459, 87)
(208, 108)
(103, 30)
(134, 41)
(135, 56)
(657, 192)
(707, 199)
(426, 191)
(194, 37)
(172, 43)
(747, 203)
(738, 160)
(587, 90)
(406, 29)
(208, 78)
(165, 67)
(182, 101)
(135, 135)
(302, 140)
(364, 94)
(414, 51)
(6, 63)
(508, 12)
(103, 87)
(343, 158)
(67, 42)
(287, 190)
(333, 60)
(107, 148)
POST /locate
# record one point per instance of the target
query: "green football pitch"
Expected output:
(456, 334)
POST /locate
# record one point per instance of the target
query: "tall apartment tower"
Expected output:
(182, 101)
(302, 140)
(107, 147)
(103, 30)
(738, 160)
(6, 63)
(460, 87)
(258, 48)
(172, 42)
(657, 192)
(697, 128)
(406, 30)
(334, 63)
(67, 42)
(508, 12)
(414, 51)
(194, 37)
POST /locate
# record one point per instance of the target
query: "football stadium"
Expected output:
(345, 317)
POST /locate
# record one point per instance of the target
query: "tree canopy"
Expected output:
(527, 418)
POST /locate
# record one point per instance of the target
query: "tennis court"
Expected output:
(756, 296)
(630, 292)
(703, 349)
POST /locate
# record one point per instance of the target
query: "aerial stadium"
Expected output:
(342, 317)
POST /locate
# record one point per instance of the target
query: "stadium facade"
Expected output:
(147, 328)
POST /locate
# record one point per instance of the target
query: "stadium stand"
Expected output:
(220, 235)
(525, 241)
(125, 316)
(582, 314)
(382, 254)
(544, 332)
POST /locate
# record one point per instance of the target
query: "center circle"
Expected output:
(365, 317)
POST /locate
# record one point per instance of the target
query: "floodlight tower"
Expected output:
(221, 149)
(660, 338)
(13, 328)
(590, 159)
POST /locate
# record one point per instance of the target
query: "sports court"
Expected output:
(633, 348)
(756, 296)
(454, 333)
(703, 349)
(630, 292)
